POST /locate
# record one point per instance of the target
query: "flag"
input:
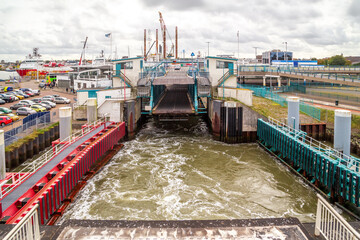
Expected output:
(108, 35)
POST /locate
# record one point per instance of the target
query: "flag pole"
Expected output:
(111, 46)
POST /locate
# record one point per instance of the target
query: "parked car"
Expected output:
(61, 100)
(25, 111)
(28, 102)
(46, 106)
(38, 108)
(12, 95)
(51, 104)
(29, 93)
(56, 95)
(36, 92)
(36, 100)
(5, 110)
(8, 89)
(4, 120)
(41, 85)
(13, 117)
(2, 101)
(17, 95)
(18, 105)
(48, 98)
(7, 98)
(22, 94)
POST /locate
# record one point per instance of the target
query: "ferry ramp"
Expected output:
(175, 99)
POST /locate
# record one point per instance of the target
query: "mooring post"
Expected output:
(293, 112)
(65, 115)
(91, 110)
(2, 156)
(342, 131)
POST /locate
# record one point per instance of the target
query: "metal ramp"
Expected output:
(174, 102)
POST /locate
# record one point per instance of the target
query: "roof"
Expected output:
(223, 58)
(126, 59)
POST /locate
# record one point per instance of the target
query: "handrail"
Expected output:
(44, 158)
(28, 228)
(330, 224)
(330, 152)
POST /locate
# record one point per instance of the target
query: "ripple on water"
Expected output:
(166, 173)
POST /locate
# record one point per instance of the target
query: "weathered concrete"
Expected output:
(243, 95)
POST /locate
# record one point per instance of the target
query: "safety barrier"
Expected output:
(32, 167)
(28, 228)
(268, 93)
(330, 224)
(70, 171)
(337, 172)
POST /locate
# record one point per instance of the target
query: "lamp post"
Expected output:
(208, 43)
(238, 37)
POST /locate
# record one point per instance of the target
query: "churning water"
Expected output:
(174, 172)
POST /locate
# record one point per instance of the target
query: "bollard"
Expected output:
(65, 122)
(91, 110)
(2, 156)
(293, 112)
(342, 131)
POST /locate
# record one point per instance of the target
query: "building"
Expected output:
(128, 69)
(276, 54)
(294, 63)
(353, 59)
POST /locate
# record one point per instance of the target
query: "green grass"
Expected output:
(29, 137)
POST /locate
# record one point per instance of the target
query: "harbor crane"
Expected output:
(164, 32)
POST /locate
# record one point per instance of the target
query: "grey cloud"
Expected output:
(354, 9)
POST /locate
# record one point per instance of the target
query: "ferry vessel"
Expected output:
(33, 66)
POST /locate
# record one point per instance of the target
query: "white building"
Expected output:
(128, 69)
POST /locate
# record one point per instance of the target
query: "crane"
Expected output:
(164, 32)
(83, 51)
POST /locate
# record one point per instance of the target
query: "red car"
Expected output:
(5, 120)
(30, 94)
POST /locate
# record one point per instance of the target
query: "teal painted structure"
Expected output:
(271, 93)
(339, 176)
(157, 91)
(92, 93)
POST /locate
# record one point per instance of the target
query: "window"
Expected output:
(84, 85)
(126, 65)
(222, 64)
(79, 85)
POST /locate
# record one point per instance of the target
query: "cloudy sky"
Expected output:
(312, 28)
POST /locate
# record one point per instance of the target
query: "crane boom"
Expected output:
(83, 50)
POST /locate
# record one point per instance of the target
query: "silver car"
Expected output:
(52, 104)
(25, 111)
(48, 98)
(61, 100)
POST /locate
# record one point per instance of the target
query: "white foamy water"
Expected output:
(178, 173)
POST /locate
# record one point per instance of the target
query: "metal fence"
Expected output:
(271, 93)
(335, 96)
(30, 123)
(330, 224)
(28, 228)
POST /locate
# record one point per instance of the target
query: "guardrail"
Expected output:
(40, 161)
(28, 228)
(330, 224)
(348, 161)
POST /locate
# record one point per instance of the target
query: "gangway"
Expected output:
(55, 173)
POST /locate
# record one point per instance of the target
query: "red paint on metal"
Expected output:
(67, 177)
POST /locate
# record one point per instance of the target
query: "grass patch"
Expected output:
(29, 137)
